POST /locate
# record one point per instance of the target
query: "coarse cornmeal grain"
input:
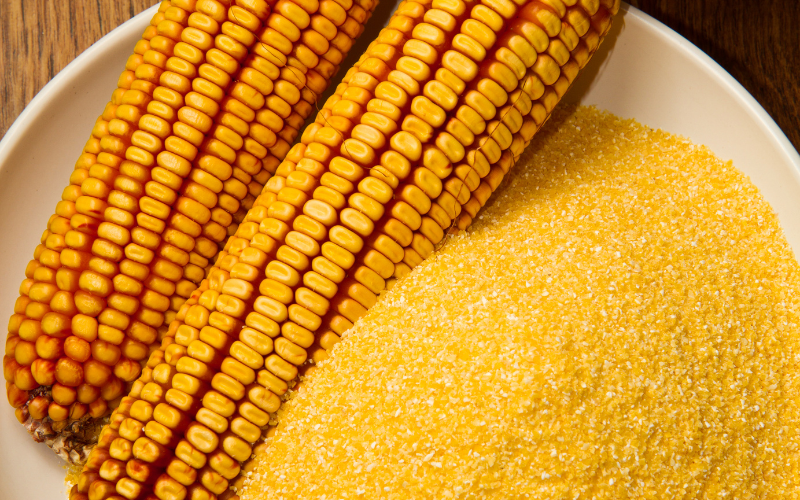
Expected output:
(620, 322)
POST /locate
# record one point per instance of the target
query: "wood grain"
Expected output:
(39, 37)
(757, 42)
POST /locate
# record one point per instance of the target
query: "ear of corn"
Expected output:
(411, 144)
(207, 108)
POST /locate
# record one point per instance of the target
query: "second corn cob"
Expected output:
(332, 226)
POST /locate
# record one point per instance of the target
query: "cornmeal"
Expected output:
(621, 321)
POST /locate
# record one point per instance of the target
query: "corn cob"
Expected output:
(351, 207)
(206, 110)
(33, 347)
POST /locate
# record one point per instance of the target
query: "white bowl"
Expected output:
(644, 71)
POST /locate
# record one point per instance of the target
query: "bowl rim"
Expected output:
(721, 76)
(49, 92)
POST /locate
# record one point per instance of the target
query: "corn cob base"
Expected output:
(72, 441)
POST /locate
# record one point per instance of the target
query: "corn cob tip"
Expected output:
(72, 442)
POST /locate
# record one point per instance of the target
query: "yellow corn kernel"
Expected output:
(190, 455)
(182, 472)
(201, 438)
(212, 420)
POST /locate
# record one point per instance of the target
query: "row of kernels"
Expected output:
(203, 346)
(372, 129)
(542, 102)
(539, 109)
(217, 58)
(378, 266)
(428, 112)
(507, 67)
(219, 61)
(477, 160)
(345, 240)
(219, 189)
(154, 127)
(431, 103)
(534, 104)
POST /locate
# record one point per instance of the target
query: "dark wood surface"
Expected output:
(757, 42)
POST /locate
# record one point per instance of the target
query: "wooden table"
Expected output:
(757, 42)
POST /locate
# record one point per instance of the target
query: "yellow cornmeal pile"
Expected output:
(621, 322)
